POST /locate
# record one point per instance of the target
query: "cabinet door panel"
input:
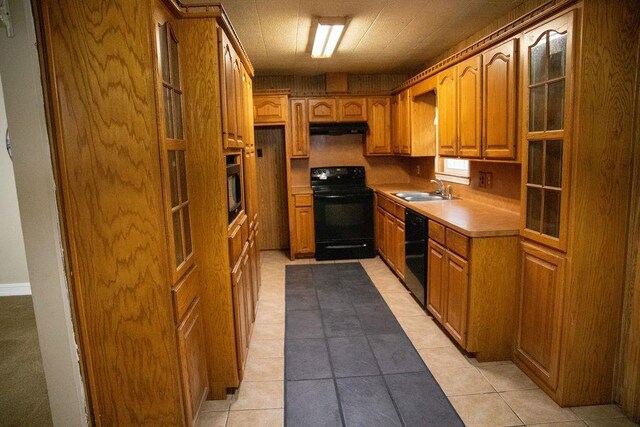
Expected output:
(469, 75)
(239, 310)
(352, 109)
(447, 116)
(299, 128)
(193, 360)
(395, 124)
(399, 242)
(269, 109)
(380, 232)
(379, 120)
(322, 110)
(499, 99)
(404, 122)
(457, 272)
(228, 92)
(238, 71)
(436, 256)
(389, 238)
(305, 236)
(540, 321)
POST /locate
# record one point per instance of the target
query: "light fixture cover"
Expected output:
(327, 36)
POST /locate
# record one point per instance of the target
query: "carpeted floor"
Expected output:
(348, 361)
(23, 391)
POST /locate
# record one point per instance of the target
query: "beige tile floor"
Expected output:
(484, 394)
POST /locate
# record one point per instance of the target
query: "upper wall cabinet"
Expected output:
(499, 101)
(270, 109)
(231, 71)
(460, 109)
(322, 110)
(412, 117)
(379, 135)
(299, 128)
(352, 109)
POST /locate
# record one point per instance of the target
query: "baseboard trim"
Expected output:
(14, 289)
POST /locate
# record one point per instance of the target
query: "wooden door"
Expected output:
(395, 124)
(379, 120)
(404, 118)
(469, 106)
(322, 110)
(447, 113)
(227, 92)
(499, 101)
(270, 161)
(436, 278)
(389, 239)
(457, 295)
(299, 128)
(540, 311)
(305, 233)
(399, 253)
(352, 109)
(193, 360)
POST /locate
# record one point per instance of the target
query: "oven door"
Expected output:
(344, 225)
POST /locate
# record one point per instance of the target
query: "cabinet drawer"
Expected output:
(457, 243)
(302, 200)
(183, 295)
(437, 232)
(387, 205)
(235, 244)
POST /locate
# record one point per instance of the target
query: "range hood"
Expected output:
(342, 128)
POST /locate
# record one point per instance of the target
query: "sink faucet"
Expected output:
(442, 191)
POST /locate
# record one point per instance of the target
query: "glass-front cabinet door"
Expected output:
(547, 83)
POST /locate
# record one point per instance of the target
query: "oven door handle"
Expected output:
(341, 196)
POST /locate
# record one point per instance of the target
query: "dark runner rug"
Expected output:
(348, 361)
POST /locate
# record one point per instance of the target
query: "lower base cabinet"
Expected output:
(304, 240)
(390, 232)
(471, 290)
(193, 361)
(540, 315)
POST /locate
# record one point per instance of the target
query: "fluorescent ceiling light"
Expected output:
(327, 37)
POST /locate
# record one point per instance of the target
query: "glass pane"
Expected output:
(555, 106)
(553, 164)
(534, 208)
(175, 64)
(177, 112)
(187, 231)
(557, 55)
(536, 108)
(534, 171)
(182, 168)
(551, 213)
(168, 120)
(538, 61)
(177, 238)
(173, 179)
(162, 51)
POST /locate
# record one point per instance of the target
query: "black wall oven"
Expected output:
(343, 213)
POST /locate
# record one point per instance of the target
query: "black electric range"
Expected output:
(343, 212)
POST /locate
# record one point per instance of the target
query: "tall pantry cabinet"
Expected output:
(143, 112)
(577, 141)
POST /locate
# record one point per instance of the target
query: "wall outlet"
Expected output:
(417, 169)
(488, 179)
(482, 180)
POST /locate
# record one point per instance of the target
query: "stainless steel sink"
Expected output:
(417, 196)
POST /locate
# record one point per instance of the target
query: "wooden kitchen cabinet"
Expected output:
(305, 241)
(390, 234)
(499, 101)
(540, 311)
(193, 360)
(322, 110)
(299, 128)
(472, 296)
(380, 240)
(270, 109)
(378, 140)
(447, 113)
(352, 109)
(398, 238)
(238, 290)
(389, 239)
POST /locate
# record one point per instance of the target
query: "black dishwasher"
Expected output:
(415, 249)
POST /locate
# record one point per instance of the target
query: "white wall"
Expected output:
(20, 70)
(14, 277)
